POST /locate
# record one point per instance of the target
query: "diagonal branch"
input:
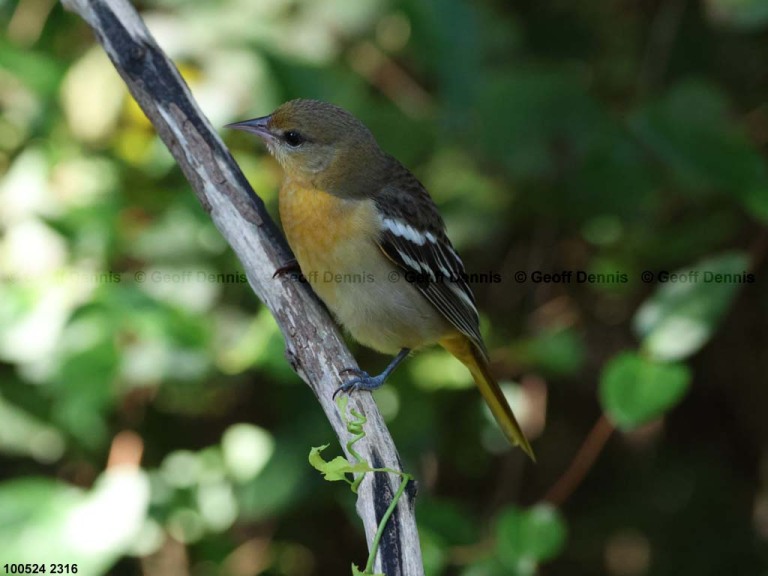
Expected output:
(313, 345)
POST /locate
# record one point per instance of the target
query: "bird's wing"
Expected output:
(413, 237)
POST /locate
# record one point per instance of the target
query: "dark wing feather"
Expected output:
(414, 238)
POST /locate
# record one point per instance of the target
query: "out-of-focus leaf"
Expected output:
(85, 390)
(690, 131)
(554, 351)
(92, 95)
(612, 178)
(246, 449)
(448, 520)
(756, 201)
(39, 71)
(683, 313)
(278, 486)
(526, 537)
(455, 26)
(740, 15)
(435, 370)
(635, 389)
(90, 529)
(465, 194)
(537, 121)
(493, 567)
(21, 433)
(246, 340)
(433, 551)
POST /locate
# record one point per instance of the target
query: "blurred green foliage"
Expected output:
(149, 423)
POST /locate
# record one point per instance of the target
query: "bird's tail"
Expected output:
(473, 358)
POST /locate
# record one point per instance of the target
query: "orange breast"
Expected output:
(326, 234)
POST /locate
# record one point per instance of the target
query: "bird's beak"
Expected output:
(258, 126)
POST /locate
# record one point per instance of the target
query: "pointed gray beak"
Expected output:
(256, 126)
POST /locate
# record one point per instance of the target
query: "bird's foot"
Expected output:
(361, 381)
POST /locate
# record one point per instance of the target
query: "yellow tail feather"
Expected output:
(468, 354)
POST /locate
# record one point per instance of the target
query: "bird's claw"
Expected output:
(292, 267)
(361, 381)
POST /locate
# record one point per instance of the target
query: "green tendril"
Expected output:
(339, 468)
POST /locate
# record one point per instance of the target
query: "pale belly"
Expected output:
(361, 287)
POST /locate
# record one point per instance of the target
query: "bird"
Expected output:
(370, 240)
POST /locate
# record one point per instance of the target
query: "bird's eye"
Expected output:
(293, 138)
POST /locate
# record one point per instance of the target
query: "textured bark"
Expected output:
(313, 346)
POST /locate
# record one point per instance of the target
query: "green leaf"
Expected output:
(635, 389)
(681, 316)
(356, 572)
(525, 537)
(336, 469)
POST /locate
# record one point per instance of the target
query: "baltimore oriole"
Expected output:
(357, 221)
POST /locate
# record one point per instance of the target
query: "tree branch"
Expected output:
(313, 345)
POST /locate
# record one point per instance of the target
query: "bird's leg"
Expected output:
(364, 381)
(292, 266)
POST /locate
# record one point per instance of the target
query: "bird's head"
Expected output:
(320, 145)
